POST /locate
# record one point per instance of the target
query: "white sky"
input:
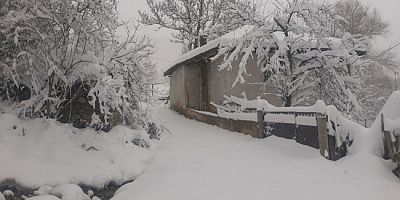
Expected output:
(168, 52)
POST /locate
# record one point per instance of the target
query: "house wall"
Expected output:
(185, 90)
(178, 98)
(220, 83)
(192, 85)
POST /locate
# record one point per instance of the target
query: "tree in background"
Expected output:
(379, 70)
(50, 46)
(294, 48)
(358, 19)
(189, 19)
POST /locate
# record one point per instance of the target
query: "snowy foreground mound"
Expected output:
(38, 152)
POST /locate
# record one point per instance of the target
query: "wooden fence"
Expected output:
(307, 128)
(391, 142)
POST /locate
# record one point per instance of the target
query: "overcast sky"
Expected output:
(167, 51)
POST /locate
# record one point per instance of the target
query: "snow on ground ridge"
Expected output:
(37, 152)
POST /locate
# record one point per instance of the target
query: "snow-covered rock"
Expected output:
(8, 193)
(69, 192)
(44, 197)
(43, 190)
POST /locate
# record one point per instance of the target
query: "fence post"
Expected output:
(260, 124)
(385, 144)
(323, 135)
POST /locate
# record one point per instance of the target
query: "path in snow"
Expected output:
(208, 163)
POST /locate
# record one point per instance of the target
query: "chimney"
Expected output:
(203, 40)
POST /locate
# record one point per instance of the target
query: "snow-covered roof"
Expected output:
(219, 42)
(241, 32)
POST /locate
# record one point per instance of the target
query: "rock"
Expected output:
(44, 189)
(78, 111)
(90, 193)
(8, 193)
(69, 192)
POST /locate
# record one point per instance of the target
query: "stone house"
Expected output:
(196, 82)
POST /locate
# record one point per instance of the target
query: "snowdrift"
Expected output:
(37, 152)
(346, 126)
(391, 113)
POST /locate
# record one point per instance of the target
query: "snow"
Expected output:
(43, 190)
(391, 112)
(44, 197)
(69, 192)
(63, 192)
(90, 193)
(393, 126)
(219, 42)
(238, 116)
(262, 104)
(202, 162)
(44, 152)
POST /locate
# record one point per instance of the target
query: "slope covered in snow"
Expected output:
(38, 152)
(204, 162)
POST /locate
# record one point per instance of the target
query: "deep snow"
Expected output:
(38, 152)
(198, 161)
(205, 162)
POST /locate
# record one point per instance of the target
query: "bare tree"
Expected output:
(358, 19)
(379, 67)
(192, 18)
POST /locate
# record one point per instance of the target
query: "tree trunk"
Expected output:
(48, 102)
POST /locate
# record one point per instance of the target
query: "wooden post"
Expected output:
(389, 144)
(204, 99)
(261, 126)
(322, 120)
(385, 144)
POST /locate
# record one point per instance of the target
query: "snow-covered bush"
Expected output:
(48, 46)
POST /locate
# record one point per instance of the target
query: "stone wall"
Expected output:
(241, 126)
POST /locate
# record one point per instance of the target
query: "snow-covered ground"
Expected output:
(38, 152)
(205, 162)
(198, 161)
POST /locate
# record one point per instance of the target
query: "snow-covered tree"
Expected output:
(189, 19)
(296, 53)
(379, 70)
(359, 19)
(51, 45)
